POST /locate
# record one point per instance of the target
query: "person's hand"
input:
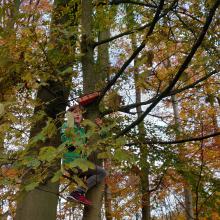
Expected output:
(99, 122)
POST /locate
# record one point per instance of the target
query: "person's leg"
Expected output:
(78, 194)
(94, 176)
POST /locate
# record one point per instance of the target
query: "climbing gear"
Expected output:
(76, 196)
(88, 98)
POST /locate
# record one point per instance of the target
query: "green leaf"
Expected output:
(47, 153)
(209, 3)
(56, 176)
(122, 155)
(104, 155)
(89, 123)
(89, 164)
(5, 182)
(50, 129)
(83, 164)
(120, 141)
(31, 186)
(31, 161)
(67, 70)
(79, 181)
(36, 138)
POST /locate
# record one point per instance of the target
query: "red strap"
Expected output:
(89, 98)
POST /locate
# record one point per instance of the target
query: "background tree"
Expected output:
(51, 96)
(55, 65)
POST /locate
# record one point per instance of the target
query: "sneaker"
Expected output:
(76, 196)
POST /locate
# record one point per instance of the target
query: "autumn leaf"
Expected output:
(47, 153)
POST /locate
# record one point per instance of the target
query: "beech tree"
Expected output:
(139, 55)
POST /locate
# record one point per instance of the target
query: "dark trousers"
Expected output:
(93, 177)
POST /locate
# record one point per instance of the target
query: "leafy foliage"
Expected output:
(33, 53)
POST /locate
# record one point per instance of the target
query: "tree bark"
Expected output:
(187, 190)
(144, 172)
(103, 71)
(108, 205)
(90, 81)
(41, 203)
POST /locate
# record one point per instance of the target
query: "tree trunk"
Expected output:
(144, 172)
(90, 80)
(187, 189)
(144, 175)
(108, 206)
(103, 70)
(103, 55)
(41, 203)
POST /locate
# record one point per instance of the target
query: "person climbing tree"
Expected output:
(74, 135)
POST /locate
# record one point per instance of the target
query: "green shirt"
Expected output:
(72, 136)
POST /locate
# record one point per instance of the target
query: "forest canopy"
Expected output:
(155, 66)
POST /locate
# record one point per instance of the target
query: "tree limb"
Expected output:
(180, 71)
(179, 141)
(127, 108)
(174, 92)
(135, 53)
(134, 30)
(95, 44)
(117, 2)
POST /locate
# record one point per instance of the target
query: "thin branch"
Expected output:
(179, 73)
(179, 141)
(117, 2)
(206, 200)
(189, 15)
(134, 30)
(95, 44)
(158, 183)
(135, 53)
(174, 92)
(185, 24)
(127, 108)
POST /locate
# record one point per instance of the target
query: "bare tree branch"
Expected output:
(134, 30)
(121, 35)
(184, 12)
(117, 2)
(174, 92)
(199, 180)
(127, 108)
(180, 71)
(178, 141)
(135, 53)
